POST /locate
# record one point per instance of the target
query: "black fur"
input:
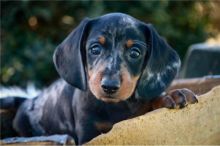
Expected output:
(68, 106)
(161, 68)
(68, 58)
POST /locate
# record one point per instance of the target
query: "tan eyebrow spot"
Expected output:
(129, 43)
(102, 40)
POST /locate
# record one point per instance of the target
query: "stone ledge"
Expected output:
(195, 124)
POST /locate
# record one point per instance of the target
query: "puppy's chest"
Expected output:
(115, 112)
(107, 115)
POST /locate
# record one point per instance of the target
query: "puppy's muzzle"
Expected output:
(110, 85)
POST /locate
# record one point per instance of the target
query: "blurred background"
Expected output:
(31, 30)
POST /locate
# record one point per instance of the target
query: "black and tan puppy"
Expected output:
(113, 67)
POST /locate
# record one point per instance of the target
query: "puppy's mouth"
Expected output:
(109, 97)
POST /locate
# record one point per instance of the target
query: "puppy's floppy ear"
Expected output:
(161, 67)
(68, 57)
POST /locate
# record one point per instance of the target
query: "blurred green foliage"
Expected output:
(30, 30)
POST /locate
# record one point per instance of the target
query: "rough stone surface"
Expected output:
(196, 124)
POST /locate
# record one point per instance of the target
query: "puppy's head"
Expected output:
(116, 56)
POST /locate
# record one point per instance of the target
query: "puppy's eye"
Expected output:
(95, 50)
(134, 52)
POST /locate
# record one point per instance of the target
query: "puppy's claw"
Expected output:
(183, 97)
(190, 96)
(169, 103)
(175, 99)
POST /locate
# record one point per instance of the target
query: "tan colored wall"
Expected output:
(195, 124)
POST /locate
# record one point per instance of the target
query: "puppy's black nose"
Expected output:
(110, 86)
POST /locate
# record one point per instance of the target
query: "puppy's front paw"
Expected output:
(177, 98)
(182, 97)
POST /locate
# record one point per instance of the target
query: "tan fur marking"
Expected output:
(125, 91)
(102, 40)
(128, 84)
(129, 43)
(95, 77)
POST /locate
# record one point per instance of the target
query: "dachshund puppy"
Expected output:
(113, 68)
